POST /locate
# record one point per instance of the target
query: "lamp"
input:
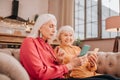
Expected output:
(113, 25)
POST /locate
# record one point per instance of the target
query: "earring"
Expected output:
(40, 34)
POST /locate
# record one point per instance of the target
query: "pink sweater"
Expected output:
(38, 59)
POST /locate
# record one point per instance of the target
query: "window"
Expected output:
(109, 8)
(79, 18)
(90, 18)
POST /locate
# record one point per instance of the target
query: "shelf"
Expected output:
(8, 38)
(10, 45)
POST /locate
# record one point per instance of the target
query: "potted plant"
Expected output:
(78, 42)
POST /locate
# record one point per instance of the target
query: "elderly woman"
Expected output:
(38, 57)
(69, 51)
(66, 39)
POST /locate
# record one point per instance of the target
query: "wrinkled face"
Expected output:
(66, 38)
(48, 30)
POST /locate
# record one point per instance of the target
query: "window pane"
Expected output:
(88, 3)
(79, 29)
(89, 13)
(113, 34)
(92, 30)
(94, 13)
(105, 34)
(94, 2)
(113, 13)
(105, 12)
(109, 8)
(88, 31)
(91, 18)
(79, 19)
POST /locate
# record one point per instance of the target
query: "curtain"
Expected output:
(63, 10)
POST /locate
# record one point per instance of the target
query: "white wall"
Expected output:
(5, 7)
(27, 8)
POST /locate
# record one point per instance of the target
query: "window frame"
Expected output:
(99, 22)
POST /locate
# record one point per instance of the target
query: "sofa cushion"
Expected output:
(4, 77)
(12, 68)
(16, 54)
(12, 52)
(6, 51)
(108, 63)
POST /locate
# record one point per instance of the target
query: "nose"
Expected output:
(54, 30)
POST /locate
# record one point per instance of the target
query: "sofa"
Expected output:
(109, 63)
(11, 69)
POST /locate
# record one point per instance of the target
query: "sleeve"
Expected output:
(78, 50)
(33, 64)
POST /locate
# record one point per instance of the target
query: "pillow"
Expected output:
(4, 77)
(12, 68)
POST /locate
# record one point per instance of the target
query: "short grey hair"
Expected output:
(64, 29)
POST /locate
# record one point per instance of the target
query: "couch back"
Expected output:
(12, 52)
(10, 67)
(108, 62)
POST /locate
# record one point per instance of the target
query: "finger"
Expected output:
(61, 52)
(94, 57)
(56, 50)
(91, 63)
(92, 60)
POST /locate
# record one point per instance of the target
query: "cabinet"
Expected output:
(10, 41)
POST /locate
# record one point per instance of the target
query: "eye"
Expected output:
(71, 35)
(51, 25)
(65, 34)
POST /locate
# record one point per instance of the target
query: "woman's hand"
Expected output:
(59, 54)
(78, 61)
(92, 58)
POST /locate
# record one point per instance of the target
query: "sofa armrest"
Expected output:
(108, 63)
(4, 77)
(10, 67)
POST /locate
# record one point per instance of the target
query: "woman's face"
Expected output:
(66, 38)
(48, 30)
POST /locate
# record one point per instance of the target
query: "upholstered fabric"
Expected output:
(108, 63)
(10, 67)
(4, 77)
(12, 52)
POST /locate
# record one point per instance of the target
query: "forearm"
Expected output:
(52, 72)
